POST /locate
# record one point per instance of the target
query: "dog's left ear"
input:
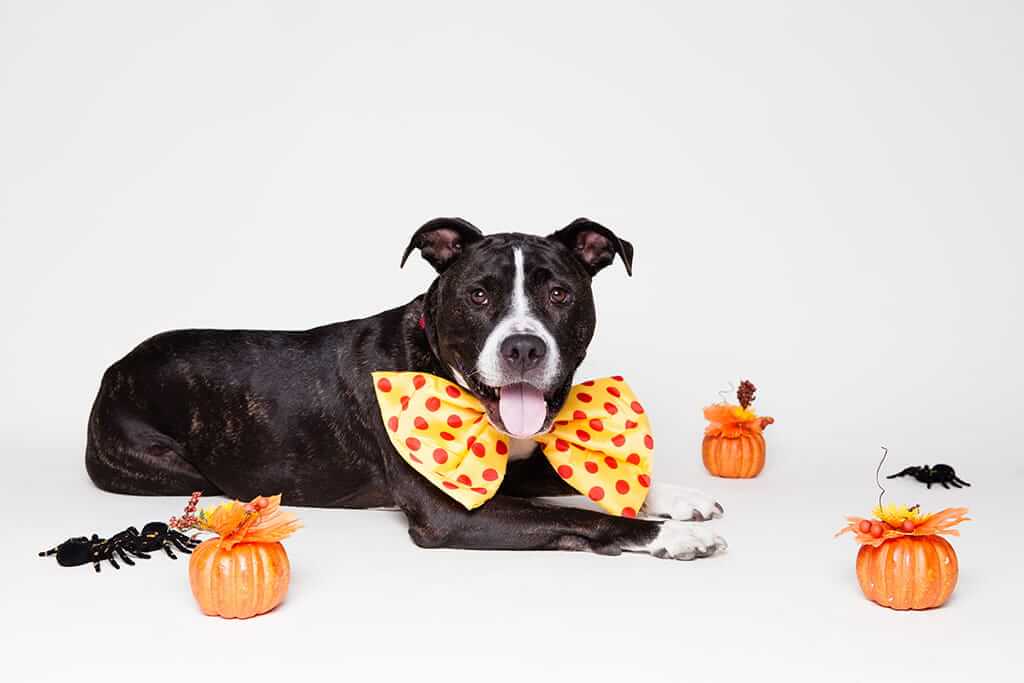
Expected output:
(441, 240)
(594, 245)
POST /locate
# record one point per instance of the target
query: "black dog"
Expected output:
(250, 412)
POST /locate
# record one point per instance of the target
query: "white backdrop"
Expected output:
(824, 197)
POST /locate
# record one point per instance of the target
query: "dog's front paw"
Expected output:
(676, 502)
(684, 541)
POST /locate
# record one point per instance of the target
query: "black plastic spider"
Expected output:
(155, 535)
(940, 474)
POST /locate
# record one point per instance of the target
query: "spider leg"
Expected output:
(954, 483)
(929, 484)
(139, 554)
(961, 481)
(47, 553)
(944, 484)
(96, 566)
(183, 547)
(177, 535)
(112, 561)
(124, 557)
(170, 553)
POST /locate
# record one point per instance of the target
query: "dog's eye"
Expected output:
(479, 297)
(560, 295)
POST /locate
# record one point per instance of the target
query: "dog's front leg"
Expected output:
(506, 523)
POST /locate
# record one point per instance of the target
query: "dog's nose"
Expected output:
(523, 352)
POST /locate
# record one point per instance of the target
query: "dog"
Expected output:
(241, 413)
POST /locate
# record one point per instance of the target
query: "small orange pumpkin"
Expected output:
(908, 573)
(733, 445)
(248, 579)
(245, 571)
(904, 563)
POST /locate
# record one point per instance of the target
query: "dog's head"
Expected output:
(511, 315)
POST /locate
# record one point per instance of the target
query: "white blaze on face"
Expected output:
(521, 403)
(518, 320)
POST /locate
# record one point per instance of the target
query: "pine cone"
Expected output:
(745, 393)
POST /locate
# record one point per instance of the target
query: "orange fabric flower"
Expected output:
(730, 421)
(939, 523)
(261, 520)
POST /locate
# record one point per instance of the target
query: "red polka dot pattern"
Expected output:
(600, 443)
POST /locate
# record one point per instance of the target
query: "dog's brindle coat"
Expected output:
(245, 413)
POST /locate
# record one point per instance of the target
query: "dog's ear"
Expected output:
(441, 240)
(594, 245)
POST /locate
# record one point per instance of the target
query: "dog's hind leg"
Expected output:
(125, 455)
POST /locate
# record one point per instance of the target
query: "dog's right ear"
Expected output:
(441, 240)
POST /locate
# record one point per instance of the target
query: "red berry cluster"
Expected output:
(875, 528)
(189, 519)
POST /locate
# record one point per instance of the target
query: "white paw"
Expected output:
(684, 541)
(676, 502)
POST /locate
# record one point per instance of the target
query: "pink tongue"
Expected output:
(523, 409)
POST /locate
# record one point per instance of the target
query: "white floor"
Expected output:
(782, 604)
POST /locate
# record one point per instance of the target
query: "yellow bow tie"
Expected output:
(600, 443)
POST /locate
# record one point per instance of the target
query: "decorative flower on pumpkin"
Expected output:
(895, 521)
(261, 520)
(730, 421)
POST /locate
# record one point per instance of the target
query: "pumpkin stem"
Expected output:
(765, 421)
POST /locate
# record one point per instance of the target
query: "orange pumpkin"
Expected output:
(245, 570)
(733, 444)
(737, 457)
(240, 582)
(908, 572)
(904, 562)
